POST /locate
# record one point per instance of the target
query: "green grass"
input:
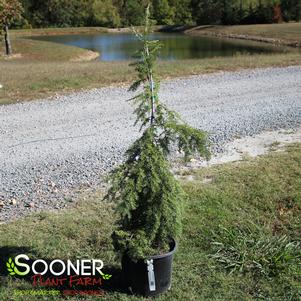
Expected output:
(28, 50)
(240, 238)
(26, 80)
(56, 31)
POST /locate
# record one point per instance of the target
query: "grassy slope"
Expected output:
(37, 51)
(248, 206)
(287, 33)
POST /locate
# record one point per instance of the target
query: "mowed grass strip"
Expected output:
(26, 80)
(241, 237)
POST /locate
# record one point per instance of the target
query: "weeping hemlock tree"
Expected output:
(10, 10)
(148, 196)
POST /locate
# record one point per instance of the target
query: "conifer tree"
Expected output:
(148, 197)
(163, 12)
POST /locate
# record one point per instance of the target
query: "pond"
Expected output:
(121, 46)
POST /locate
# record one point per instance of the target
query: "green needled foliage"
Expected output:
(148, 196)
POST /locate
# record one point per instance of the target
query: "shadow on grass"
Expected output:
(64, 282)
(10, 252)
(175, 28)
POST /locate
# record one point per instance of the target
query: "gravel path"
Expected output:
(52, 149)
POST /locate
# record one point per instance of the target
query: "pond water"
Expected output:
(115, 46)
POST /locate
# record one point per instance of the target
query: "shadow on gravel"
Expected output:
(65, 284)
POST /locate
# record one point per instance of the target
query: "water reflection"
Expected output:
(115, 47)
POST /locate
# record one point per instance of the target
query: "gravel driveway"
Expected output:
(50, 148)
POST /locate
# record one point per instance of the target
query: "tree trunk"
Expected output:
(151, 84)
(277, 18)
(7, 41)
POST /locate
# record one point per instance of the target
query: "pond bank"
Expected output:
(286, 34)
(87, 56)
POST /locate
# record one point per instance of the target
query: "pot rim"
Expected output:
(173, 245)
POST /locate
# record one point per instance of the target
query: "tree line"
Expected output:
(120, 13)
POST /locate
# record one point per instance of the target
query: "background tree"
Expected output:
(83, 13)
(40, 13)
(10, 10)
(182, 11)
(163, 13)
(277, 16)
(105, 13)
(52, 13)
(208, 11)
(133, 12)
(291, 10)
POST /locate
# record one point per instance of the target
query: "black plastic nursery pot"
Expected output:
(149, 277)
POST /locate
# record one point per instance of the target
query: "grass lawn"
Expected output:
(241, 237)
(29, 80)
(56, 31)
(27, 50)
(285, 33)
(44, 68)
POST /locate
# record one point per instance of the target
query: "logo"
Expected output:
(56, 273)
(11, 268)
